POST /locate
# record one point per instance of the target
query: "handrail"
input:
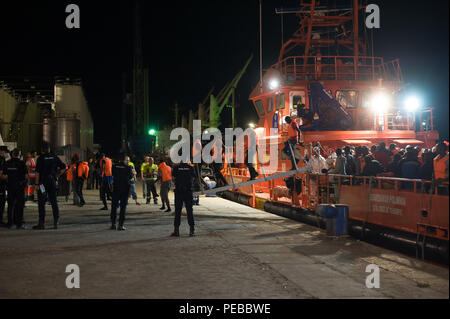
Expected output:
(340, 67)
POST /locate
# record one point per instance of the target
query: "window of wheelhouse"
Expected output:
(282, 101)
(296, 99)
(270, 104)
(347, 98)
(259, 107)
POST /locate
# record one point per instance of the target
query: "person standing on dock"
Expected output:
(48, 169)
(133, 181)
(183, 175)
(149, 173)
(122, 174)
(107, 179)
(3, 151)
(165, 176)
(15, 173)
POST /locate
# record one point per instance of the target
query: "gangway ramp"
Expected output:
(252, 182)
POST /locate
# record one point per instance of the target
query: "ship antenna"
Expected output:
(260, 46)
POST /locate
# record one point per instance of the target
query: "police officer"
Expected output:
(122, 175)
(183, 174)
(3, 151)
(15, 172)
(48, 168)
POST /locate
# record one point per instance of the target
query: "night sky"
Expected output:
(190, 46)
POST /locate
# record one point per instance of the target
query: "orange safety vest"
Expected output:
(440, 167)
(292, 130)
(166, 172)
(69, 172)
(106, 167)
(31, 165)
(83, 169)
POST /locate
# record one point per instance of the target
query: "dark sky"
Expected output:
(190, 46)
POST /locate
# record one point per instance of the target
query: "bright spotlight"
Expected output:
(251, 125)
(412, 104)
(274, 84)
(380, 102)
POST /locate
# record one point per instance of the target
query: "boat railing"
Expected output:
(338, 68)
(324, 188)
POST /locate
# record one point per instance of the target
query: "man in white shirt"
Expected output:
(317, 162)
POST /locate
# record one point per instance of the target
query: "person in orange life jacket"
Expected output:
(249, 142)
(31, 168)
(217, 153)
(440, 171)
(107, 179)
(80, 173)
(293, 139)
(165, 177)
(15, 173)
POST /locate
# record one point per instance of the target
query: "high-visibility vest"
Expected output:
(150, 172)
(131, 164)
(440, 167)
(31, 165)
(83, 169)
(69, 172)
(106, 166)
(166, 172)
(292, 130)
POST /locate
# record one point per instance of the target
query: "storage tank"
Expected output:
(61, 131)
(71, 102)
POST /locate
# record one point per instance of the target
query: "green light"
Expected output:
(151, 132)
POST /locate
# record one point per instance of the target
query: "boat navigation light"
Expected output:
(412, 103)
(274, 84)
(380, 102)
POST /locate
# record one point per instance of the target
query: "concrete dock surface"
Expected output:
(238, 252)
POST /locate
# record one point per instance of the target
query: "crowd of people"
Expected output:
(380, 160)
(21, 177)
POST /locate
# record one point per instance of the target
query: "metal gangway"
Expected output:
(250, 182)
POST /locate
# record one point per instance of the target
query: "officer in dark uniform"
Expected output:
(15, 173)
(183, 174)
(122, 175)
(48, 168)
(3, 151)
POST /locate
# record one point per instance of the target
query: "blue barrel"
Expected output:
(326, 210)
(341, 220)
